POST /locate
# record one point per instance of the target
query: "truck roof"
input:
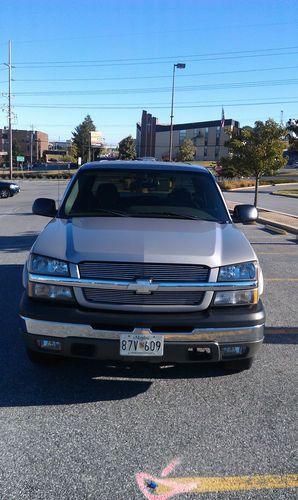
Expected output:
(144, 165)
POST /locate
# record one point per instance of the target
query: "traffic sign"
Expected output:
(21, 158)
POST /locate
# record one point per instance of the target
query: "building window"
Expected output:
(182, 136)
(217, 136)
(206, 136)
(216, 151)
(205, 151)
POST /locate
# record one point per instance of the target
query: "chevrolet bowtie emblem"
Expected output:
(143, 287)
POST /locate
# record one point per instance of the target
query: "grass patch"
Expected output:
(290, 192)
(203, 163)
(281, 180)
(241, 183)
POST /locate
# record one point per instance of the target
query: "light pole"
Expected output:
(179, 66)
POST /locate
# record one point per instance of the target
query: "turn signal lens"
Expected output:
(236, 298)
(52, 292)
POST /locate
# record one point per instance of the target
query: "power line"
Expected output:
(140, 104)
(152, 90)
(183, 75)
(129, 33)
(156, 60)
(138, 59)
(119, 108)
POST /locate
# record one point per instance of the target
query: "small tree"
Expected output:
(255, 152)
(292, 135)
(127, 148)
(72, 151)
(81, 137)
(187, 151)
(16, 149)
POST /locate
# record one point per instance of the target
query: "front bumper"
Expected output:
(188, 337)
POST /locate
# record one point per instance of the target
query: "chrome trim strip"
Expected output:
(142, 286)
(64, 330)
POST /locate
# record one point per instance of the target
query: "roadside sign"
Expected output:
(3, 153)
(20, 158)
(95, 139)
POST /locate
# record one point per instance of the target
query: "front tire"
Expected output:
(4, 193)
(237, 365)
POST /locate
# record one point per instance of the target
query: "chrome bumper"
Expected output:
(70, 330)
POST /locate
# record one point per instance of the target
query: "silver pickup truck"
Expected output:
(142, 262)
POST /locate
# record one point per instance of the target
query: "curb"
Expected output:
(278, 225)
(275, 229)
(276, 193)
(271, 222)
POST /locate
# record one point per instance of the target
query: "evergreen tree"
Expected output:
(127, 148)
(81, 138)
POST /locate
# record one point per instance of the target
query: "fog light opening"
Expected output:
(49, 345)
(232, 351)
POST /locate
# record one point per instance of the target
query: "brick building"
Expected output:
(28, 143)
(153, 139)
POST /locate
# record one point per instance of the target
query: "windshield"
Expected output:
(144, 193)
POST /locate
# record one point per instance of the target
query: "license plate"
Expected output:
(141, 345)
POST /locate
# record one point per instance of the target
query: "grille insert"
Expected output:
(132, 271)
(158, 298)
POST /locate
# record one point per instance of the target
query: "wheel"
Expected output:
(4, 193)
(237, 365)
(41, 357)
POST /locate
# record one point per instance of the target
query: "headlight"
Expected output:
(238, 272)
(54, 292)
(236, 298)
(45, 265)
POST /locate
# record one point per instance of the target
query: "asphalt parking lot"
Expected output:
(80, 430)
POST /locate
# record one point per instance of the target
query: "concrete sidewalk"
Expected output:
(281, 221)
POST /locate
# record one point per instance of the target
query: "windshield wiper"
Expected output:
(168, 214)
(113, 212)
(99, 210)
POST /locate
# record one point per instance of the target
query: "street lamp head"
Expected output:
(180, 65)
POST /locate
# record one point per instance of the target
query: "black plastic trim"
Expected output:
(217, 317)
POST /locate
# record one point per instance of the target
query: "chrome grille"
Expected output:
(139, 270)
(158, 298)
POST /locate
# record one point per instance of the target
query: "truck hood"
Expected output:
(144, 240)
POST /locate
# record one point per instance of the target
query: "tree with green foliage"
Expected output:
(292, 135)
(127, 148)
(187, 151)
(254, 152)
(16, 149)
(72, 151)
(81, 138)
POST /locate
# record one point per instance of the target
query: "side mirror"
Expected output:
(44, 206)
(245, 213)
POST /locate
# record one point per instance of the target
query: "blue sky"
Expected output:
(113, 58)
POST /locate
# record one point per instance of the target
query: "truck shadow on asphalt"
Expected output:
(78, 381)
(17, 243)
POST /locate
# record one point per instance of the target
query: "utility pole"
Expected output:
(281, 118)
(31, 146)
(9, 108)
